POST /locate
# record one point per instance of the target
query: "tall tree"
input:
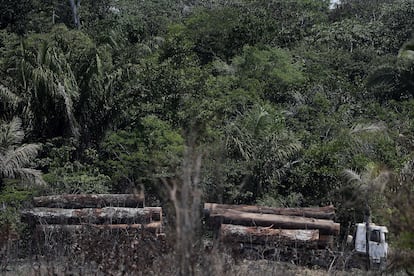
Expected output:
(75, 5)
(259, 141)
(51, 89)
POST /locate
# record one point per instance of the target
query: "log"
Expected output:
(325, 227)
(153, 227)
(265, 235)
(326, 241)
(74, 201)
(115, 215)
(326, 212)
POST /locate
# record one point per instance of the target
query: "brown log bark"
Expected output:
(115, 215)
(326, 241)
(326, 227)
(153, 227)
(265, 235)
(74, 201)
(326, 212)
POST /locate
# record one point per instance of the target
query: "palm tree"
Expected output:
(374, 177)
(16, 159)
(371, 181)
(51, 85)
(260, 142)
(97, 102)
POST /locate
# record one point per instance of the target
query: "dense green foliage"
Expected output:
(280, 96)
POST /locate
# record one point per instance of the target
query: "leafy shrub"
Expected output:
(141, 155)
(67, 175)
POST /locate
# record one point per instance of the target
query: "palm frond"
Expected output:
(368, 128)
(260, 120)
(379, 183)
(14, 159)
(32, 176)
(284, 151)
(352, 176)
(42, 54)
(8, 97)
(53, 79)
(73, 124)
(11, 134)
(43, 81)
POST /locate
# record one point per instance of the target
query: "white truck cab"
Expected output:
(378, 246)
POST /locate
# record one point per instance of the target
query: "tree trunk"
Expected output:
(75, 6)
(74, 201)
(265, 235)
(113, 215)
(154, 227)
(326, 241)
(327, 212)
(325, 227)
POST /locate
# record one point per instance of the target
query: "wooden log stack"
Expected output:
(310, 227)
(77, 213)
(76, 201)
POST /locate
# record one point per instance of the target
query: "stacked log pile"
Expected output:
(309, 227)
(77, 213)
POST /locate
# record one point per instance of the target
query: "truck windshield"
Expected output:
(375, 236)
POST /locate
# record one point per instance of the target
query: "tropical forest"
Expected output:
(287, 104)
